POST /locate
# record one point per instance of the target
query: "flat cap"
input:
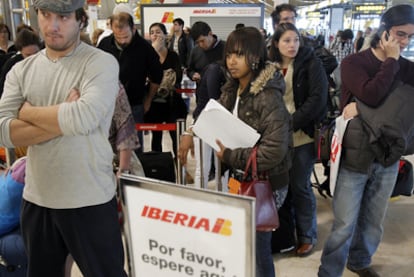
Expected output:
(59, 6)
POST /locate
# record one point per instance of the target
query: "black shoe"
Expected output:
(364, 272)
(211, 175)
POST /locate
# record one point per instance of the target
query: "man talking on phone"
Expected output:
(365, 183)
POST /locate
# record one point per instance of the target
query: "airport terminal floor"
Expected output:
(394, 258)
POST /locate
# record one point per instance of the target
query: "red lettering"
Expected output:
(167, 215)
(218, 225)
(180, 218)
(334, 148)
(154, 213)
(203, 223)
(221, 226)
(144, 211)
(192, 221)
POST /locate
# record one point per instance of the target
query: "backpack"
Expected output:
(13, 259)
(328, 60)
(11, 190)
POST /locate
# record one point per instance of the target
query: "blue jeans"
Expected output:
(303, 199)
(138, 115)
(264, 258)
(359, 205)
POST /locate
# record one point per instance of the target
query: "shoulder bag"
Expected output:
(267, 218)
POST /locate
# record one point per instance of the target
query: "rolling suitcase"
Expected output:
(158, 165)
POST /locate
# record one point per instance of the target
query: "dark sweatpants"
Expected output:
(91, 234)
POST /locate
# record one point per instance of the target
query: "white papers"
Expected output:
(217, 123)
(336, 149)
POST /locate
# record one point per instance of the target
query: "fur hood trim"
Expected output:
(265, 78)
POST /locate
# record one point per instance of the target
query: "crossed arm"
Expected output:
(35, 125)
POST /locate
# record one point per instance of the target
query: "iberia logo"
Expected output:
(205, 11)
(219, 226)
(168, 17)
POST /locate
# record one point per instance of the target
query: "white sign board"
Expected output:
(174, 230)
(166, 13)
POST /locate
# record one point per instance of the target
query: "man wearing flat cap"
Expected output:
(59, 102)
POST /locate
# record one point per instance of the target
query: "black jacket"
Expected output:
(14, 58)
(357, 154)
(310, 91)
(200, 58)
(185, 45)
(209, 86)
(390, 127)
(137, 62)
(381, 134)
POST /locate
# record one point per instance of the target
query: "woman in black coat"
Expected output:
(306, 100)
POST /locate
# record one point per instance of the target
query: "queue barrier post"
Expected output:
(180, 126)
(10, 156)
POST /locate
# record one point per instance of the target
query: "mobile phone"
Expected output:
(381, 30)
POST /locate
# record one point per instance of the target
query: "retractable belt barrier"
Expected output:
(179, 126)
(185, 90)
(156, 126)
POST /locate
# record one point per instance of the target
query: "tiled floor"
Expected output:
(394, 258)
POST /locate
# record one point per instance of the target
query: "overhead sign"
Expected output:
(174, 230)
(368, 2)
(166, 13)
(313, 14)
(368, 9)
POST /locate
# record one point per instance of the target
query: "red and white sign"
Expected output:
(174, 230)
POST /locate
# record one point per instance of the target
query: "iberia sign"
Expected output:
(177, 231)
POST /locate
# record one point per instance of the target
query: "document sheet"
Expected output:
(217, 123)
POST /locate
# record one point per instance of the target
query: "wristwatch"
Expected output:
(126, 171)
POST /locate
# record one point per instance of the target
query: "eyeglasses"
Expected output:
(403, 35)
(4, 32)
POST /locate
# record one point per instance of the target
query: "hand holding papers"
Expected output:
(215, 122)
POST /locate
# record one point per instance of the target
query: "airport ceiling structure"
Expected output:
(299, 3)
(270, 4)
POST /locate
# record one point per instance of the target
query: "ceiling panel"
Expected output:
(303, 2)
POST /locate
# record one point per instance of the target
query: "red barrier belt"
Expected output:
(155, 126)
(185, 90)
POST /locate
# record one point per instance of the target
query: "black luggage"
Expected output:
(158, 165)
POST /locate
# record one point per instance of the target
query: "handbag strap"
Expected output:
(253, 163)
